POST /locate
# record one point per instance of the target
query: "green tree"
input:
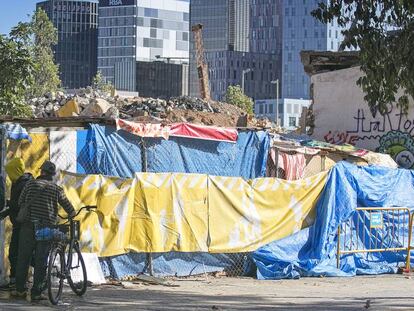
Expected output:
(98, 83)
(40, 36)
(386, 56)
(16, 75)
(236, 97)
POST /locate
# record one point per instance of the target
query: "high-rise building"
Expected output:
(301, 31)
(140, 30)
(235, 49)
(161, 79)
(76, 52)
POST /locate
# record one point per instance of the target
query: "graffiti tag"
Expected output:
(393, 130)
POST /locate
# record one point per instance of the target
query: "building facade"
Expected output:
(161, 79)
(289, 114)
(76, 52)
(131, 31)
(226, 68)
(301, 31)
(233, 43)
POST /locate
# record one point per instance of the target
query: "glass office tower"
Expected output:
(76, 51)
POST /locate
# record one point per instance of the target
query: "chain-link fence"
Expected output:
(72, 149)
(61, 145)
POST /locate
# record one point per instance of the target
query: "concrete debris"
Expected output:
(89, 102)
(69, 108)
(97, 108)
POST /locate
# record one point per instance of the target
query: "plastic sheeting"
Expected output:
(165, 212)
(247, 158)
(108, 152)
(62, 150)
(15, 131)
(35, 153)
(312, 251)
(173, 264)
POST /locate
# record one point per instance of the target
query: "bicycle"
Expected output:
(65, 241)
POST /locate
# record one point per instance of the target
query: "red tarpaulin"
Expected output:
(203, 132)
(178, 129)
(143, 129)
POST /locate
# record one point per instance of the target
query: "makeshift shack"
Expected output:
(180, 199)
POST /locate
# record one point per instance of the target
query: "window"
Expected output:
(150, 12)
(153, 33)
(292, 121)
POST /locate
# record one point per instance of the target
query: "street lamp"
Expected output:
(243, 77)
(277, 99)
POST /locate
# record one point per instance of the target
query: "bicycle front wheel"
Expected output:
(77, 277)
(55, 274)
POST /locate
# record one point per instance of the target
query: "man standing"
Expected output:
(41, 198)
(15, 169)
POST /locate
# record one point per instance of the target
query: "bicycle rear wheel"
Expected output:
(55, 274)
(77, 277)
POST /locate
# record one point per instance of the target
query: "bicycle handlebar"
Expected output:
(88, 208)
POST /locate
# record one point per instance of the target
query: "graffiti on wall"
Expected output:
(393, 131)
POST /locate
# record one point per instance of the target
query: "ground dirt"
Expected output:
(393, 292)
(228, 118)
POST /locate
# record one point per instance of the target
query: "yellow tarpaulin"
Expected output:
(245, 215)
(33, 153)
(189, 212)
(170, 213)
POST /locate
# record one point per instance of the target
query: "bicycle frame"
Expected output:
(66, 247)
(73, 241)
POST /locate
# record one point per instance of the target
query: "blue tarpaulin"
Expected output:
(312, 252)
(109, 152)
(103, 150)
(245, 158)
(15, 131)
(118, 153)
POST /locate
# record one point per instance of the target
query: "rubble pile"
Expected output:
(92, 103)
(160, 107)
(86, 102)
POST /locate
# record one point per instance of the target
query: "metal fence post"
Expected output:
(2, 228)
(338, 250)
(410, 234)
(149, 266)
(277, 162)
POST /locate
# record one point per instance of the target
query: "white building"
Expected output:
(140, 30)
(290, 111)
(342, 116)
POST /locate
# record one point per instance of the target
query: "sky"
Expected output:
(14, 11)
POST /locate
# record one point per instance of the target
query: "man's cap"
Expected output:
(49, 168)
